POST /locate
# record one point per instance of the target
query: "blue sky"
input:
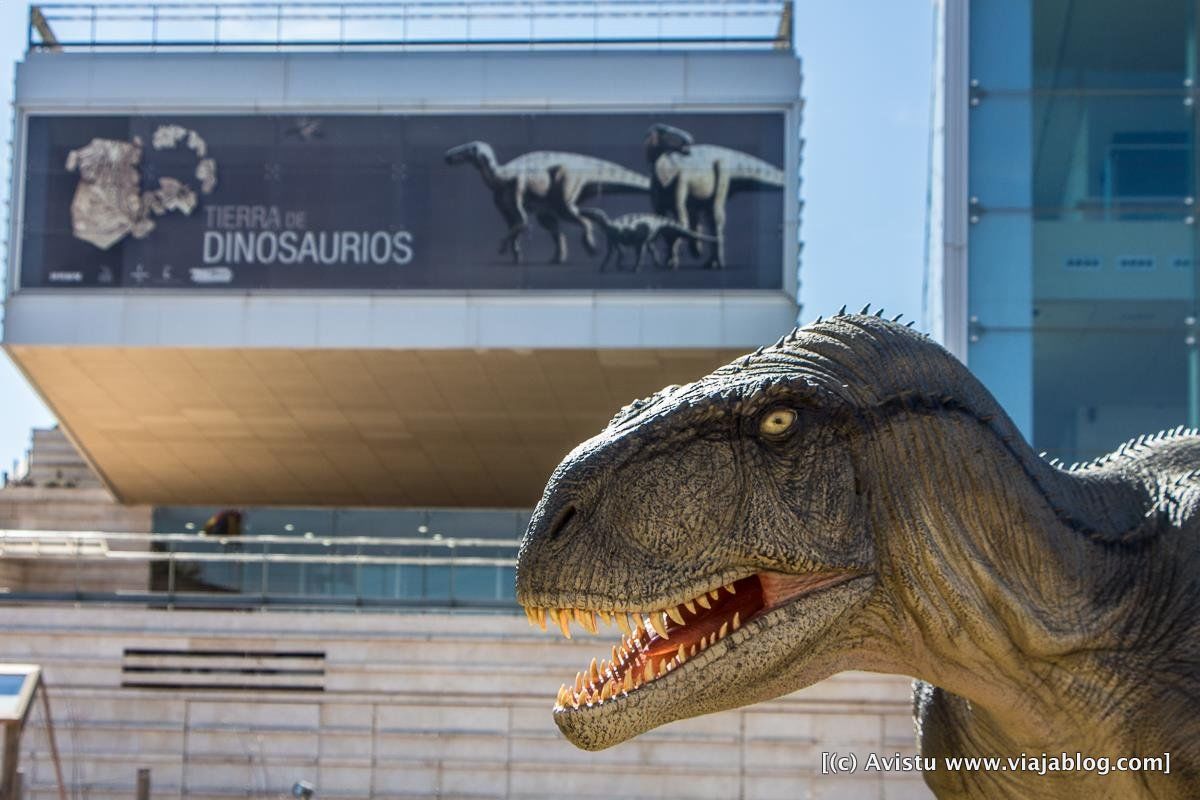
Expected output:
(867, 71)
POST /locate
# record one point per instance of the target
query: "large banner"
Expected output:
(455, 202)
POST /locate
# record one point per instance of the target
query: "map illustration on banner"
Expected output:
(515, 201)
(109, 202)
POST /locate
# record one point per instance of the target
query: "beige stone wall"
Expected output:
(422, 705)
(78, 509)
(56, 509)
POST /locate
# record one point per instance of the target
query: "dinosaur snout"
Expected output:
(460, 153)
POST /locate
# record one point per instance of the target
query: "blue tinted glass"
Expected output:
(1111, 157)
(1109, 261)
(1000, 43)
(476, 583)
(11, 684)
(1106, 372)
(1000, 269)
(1111, 44)
(1000, 155)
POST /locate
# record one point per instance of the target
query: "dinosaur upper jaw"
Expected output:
(730, 646)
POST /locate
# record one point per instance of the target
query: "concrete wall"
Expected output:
(414, 706)
(77, 509)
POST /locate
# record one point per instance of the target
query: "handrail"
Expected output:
(307, 541)
(763, 23)
(173, 562)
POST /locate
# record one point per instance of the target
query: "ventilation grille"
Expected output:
(227, 670)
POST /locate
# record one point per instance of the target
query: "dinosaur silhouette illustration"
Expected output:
(689, 181)
(640, 231)
(548, 184)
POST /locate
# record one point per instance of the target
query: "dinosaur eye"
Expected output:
(777, 422)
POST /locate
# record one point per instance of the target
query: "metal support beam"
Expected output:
(37, 22)
(12, 751)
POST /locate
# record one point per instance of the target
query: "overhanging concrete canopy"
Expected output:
(346, 427)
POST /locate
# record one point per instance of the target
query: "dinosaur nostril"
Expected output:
(562, 521)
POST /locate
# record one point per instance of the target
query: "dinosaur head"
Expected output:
(722, 526)
(470, 153)
(662, 138)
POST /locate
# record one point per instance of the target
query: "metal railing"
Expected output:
(418, 24)
(195, 570)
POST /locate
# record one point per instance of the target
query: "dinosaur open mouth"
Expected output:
(658, 642)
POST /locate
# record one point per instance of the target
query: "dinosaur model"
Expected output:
(853, 498)
(691, 180)
(639, 232)
(550, 185)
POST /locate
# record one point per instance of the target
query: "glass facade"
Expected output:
(1082, 238)
(287, 554)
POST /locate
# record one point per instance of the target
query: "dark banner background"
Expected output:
(385, 173)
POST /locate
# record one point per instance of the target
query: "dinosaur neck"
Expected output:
(489, 168)
(983, 574)
(653, 152)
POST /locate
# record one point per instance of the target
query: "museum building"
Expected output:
(1063, 233)
(320, 295)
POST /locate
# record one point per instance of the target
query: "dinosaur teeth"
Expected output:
(562, 617)
(643, 654)
(586, 620)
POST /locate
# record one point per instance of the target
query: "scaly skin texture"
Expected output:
(1055, 610)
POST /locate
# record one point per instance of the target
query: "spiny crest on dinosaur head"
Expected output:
(635, 408)
(865, 360)
(853, 361)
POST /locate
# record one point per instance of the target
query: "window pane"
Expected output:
(1112, 156)
(999, 44)
(1105, 372)
(1112, 261)
(1000, 158)
(1111, 44)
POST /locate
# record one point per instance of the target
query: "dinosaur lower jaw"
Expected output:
(663, 641)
